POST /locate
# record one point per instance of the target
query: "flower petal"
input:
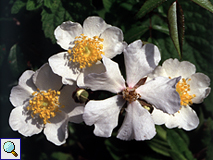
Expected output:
(103, 114)
(199, 86)
(111, 80)
(56, 131)
(94, 26)
(174, 68)
(95, 68)
(186, 118)
(72, 109)
(66, 33)
(20, 120)
(45, 79)
(21, 93)
(138, 124)
(61, 66)
(113, 42)
(161, 92)
(140, 60)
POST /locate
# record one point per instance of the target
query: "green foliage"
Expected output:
(17, 6)
(205, 4)
(176, 26)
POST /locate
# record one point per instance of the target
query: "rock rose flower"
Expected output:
(84, 46)
(192, 88)
(140, 60)
(42, 104)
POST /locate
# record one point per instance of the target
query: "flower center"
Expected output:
(86, 51)
(182, 88)
(130, 94)
(45, 104)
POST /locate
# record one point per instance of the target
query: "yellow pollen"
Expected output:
(130, 95)
(86, 51)
(44, 104)
(182, 88)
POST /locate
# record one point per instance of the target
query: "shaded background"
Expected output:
(27, 41)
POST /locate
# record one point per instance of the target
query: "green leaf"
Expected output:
(33, 5)
(61, 156)
(17, 6)
(178, 145)
(107, 4)
(53, 17)
(163, 29)
(177, 156)
(2, 53)
(205, 4)
(48, 3)
(17, 62)
(148, 6)
(176, 26)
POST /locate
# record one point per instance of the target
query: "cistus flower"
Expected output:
(84, 46)
(192, 88)
(41, 103)
(140, 60)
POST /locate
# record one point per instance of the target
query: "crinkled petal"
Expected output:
(103, 114)
(111, 80)
(72, 109)
(66, 33)
(94, 26)
(113, 42)
(61, 66)
(161, 92)
(199, 86)
(45, 79)
(174, 68)
(138, 124)
(20, 94)
(20, 120)
(140, 60)
(95, 68)
(56, 131)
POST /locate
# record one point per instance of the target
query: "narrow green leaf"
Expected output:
(107, 4)
(178, 145)
(177, 156)
(33, 5)
(17, 6)
(163, 29)
(17, 62)
(176, 26)
(159, 148)
(205, 4)
(148, 6)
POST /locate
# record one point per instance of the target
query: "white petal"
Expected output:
(140, 61)
(158, 72)
(20, 94)
(161, 92)
(199, 86)
(20, 120)
(138, 124)
(103, 114)
(56, 131)
(72, 109)
(111, 80)
(66, 33)
(174, 68)
(159, 116)
(61, 65)
(94, 26)
(113, 42)
(45, 79)
(95, 68)
(186, 118)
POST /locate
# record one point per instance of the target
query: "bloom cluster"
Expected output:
(148, 95)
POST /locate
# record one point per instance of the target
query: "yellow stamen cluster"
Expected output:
(44, 104)
(130, 94)
(182, 88)
(86, 51)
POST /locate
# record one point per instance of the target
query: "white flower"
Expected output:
(193, 88)
(84, 47)
(40, 104)
(140, 60)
